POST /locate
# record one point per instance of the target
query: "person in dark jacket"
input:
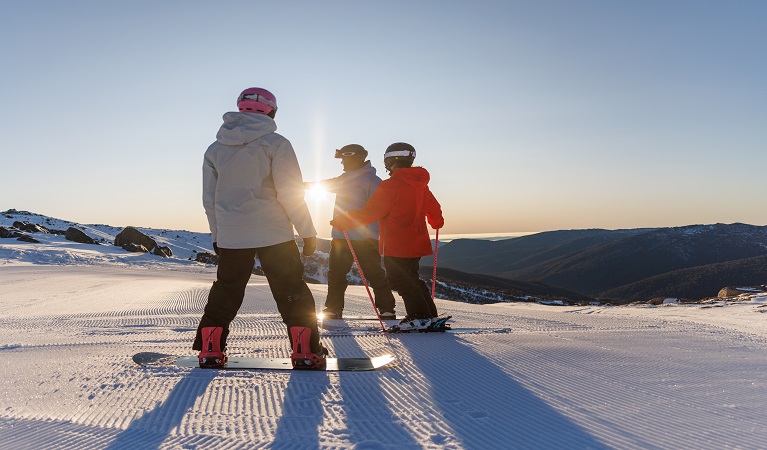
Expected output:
(353, 189)
(402, 205)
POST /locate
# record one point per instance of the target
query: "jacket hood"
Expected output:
(365, 169)
(414, 176)
(242, 128)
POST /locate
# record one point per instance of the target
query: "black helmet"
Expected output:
(352, 150)
(399, 152)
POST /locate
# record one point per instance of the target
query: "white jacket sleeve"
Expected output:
(289, 184)
(209, 180)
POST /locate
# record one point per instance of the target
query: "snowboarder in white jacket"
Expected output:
(253, 195)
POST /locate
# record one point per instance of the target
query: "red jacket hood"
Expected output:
(415, 176)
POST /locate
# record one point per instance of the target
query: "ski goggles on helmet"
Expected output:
(258, 98)
(351, 150)
(399, 153)
(340, 154)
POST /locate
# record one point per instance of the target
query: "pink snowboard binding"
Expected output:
(211, 355)
(302, 357)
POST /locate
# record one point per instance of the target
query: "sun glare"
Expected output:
(316, 193)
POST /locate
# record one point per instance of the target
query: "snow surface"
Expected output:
(532, 376)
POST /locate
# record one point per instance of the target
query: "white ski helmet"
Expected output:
(399, 152)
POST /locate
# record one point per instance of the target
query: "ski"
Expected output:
(371, 331)
(252, 363)
(341, 324)
(362, 318)
(340, 328)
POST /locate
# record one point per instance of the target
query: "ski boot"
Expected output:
(212, 355)
(422, 325)
(409, 324)
(439, 324)
(387, 315)
(302, 357)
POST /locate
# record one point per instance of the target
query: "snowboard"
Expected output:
(252, 363)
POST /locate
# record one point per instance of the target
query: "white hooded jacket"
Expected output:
(253, 191)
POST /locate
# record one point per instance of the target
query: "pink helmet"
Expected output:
(257, 100)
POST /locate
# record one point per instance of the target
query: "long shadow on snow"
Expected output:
(369, 419)
(301, 410)
(486, 407)
(153, 428)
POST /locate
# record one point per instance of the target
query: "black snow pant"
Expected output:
(340, 262)
(284, 271)
(403, 278)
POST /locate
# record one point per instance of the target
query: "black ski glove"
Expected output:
(310, 245)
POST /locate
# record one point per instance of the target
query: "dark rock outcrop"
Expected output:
(30, 227)
(207, 258)
(133, 240)
(7, 233)
(73, 234)
(131, 235)
(134, 248)
(163, 251)
(734, 291)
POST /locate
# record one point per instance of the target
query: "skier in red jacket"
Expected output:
(402, 205)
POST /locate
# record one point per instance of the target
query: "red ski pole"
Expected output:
(365, 282)
(434, 273)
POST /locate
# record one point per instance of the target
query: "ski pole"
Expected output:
(365, 282)
(434, 273)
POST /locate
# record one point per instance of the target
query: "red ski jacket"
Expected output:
(401, 204)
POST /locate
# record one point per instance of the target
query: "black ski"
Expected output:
(362, 318)
(371, 331)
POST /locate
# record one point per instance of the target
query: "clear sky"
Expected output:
(530, 115)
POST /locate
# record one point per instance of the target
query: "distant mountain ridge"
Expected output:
(622, 264)
(696, 282)
(577, 266)
(497, 257)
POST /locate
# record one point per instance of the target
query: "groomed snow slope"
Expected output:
(558, 377)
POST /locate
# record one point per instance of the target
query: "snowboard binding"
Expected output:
(303, 357)
(212, 355)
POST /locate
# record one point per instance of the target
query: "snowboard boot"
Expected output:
(212, 355)
(303, 357)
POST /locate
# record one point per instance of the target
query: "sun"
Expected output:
(316, 193)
